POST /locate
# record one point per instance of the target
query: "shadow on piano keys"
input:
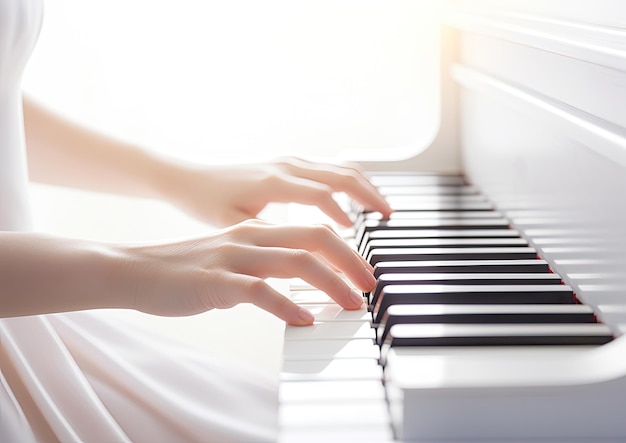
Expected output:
(469, 335)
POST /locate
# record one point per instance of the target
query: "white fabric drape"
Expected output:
(96, 377)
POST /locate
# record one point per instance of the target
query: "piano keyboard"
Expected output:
(455, 282)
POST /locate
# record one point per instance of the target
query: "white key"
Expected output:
(297, 284)
(332, 312)
(613, 315)
(316, 391)
(332, 414)
(330, 330)
(339, 369)
(311, 297)
(328, 349)
(346, 434)
(599, 294)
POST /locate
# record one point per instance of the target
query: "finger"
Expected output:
(248, 233)
(232, 216)
(317, 239)
(240, 288)
(267, 262)
(350, 180)
(300, 190)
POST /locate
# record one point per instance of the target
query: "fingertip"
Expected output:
(357, 299)
(304, 318)
(347, 224)
(387, 210)
(366, 280)
(343, 219)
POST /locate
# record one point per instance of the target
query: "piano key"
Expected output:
(381, 234)
(427, 190)
(330, 330)
(439, 224)
(336, 422)
(398, 234)
(417, 180)
(416, 215)
(462, 266)
(402, 200)
(441, 205)
(418, 314)
(470, 294)
(327, 349)
(414, 254)
(498, 334)
(329, 414)
(442, 243)
(463, 279)
(612, 314)
(335, 313)
(468, 277)
(445, 242)
(435, 223)
(310, 297)
(335, 369)
(362, 433)
(324, 391)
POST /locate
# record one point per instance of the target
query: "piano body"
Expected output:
(532, 126)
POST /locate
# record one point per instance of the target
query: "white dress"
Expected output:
(91, 376)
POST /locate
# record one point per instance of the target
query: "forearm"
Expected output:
(41, 274)
(66, 154)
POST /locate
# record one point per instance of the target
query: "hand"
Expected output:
(229, 267)
(225, 195)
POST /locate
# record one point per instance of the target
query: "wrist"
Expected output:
(167, 177)
(44, 274)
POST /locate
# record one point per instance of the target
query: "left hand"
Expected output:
(225, 195)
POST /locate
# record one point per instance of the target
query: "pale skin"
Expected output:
(44, 274)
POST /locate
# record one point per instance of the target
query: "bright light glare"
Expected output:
(214, 79)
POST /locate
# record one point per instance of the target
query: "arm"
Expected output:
(42, 274)
(63, 153)
(66, 154)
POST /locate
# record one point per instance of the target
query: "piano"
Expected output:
(500, 308)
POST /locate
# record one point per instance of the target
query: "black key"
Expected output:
(414, 254)
(417, 215)
(435, 223)
(406, 243)
(498, 334)
(442, 233)
(436, 233)
(470, 294)
(410, 314)
(462, 279)
(462, 266)
(439, 224)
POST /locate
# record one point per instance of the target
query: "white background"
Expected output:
(211, 79)
(215, 80)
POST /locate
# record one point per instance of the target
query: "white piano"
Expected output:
(501, 303)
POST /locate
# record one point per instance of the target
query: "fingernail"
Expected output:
(356, 297)
(305, 316)
(370, 279)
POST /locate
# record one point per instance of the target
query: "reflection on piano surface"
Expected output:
(500, 306)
